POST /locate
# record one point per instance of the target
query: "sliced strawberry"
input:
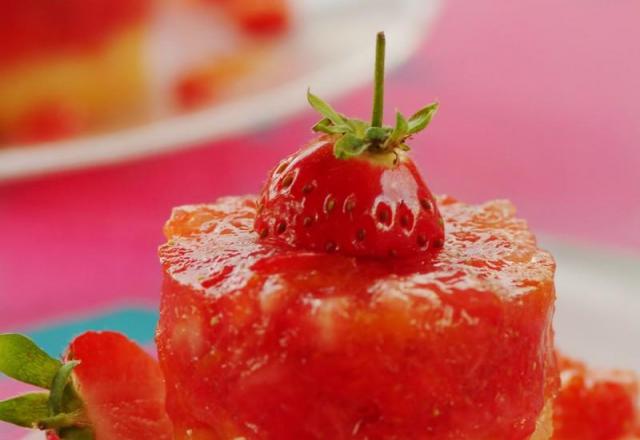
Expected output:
(107, 388)
(354, 190)
(122, 387)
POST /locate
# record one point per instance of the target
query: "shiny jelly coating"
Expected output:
(265, 342)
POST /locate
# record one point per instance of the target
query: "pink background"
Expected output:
(540, 104)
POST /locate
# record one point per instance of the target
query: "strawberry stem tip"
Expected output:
(354, 137)
(378, 82)
(59, 409)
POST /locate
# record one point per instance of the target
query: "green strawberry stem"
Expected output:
(353, 137)
(378, 82)
(59, 409)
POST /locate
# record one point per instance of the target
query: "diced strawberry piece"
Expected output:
(596, 405)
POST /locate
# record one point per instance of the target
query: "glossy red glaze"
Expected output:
(312, 200)
(596, 405)
(37, 27)
(122, 388)
(262, 341)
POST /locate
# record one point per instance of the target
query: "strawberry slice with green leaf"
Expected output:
(106, 388)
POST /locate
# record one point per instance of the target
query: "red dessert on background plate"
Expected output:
(281, 319)
(69, 66)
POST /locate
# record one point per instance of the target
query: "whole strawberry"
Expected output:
(354, 190)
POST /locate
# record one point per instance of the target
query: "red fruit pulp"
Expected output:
(122, 388)
(312, 200)
(262, 341)
(595, 405)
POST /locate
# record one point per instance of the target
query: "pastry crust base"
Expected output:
(544, 425)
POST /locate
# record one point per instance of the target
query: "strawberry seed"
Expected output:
(329, 204)
(308, 187)
(426, 204)
(287, 181)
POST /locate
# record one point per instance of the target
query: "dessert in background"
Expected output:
(71, 66)
(210, 80)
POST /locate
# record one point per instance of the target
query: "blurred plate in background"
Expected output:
(598, 304)
(325, 49)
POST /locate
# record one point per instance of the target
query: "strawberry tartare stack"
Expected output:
(70, 66)
(348, 302)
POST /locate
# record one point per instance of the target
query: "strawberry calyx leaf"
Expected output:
(22, 360)
(59, 396)
(25, 410)
(60, 409)
(354, 137)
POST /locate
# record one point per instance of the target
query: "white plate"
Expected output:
(330, 49)
(598, 307)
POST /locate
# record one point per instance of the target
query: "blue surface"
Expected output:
(138, 324)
